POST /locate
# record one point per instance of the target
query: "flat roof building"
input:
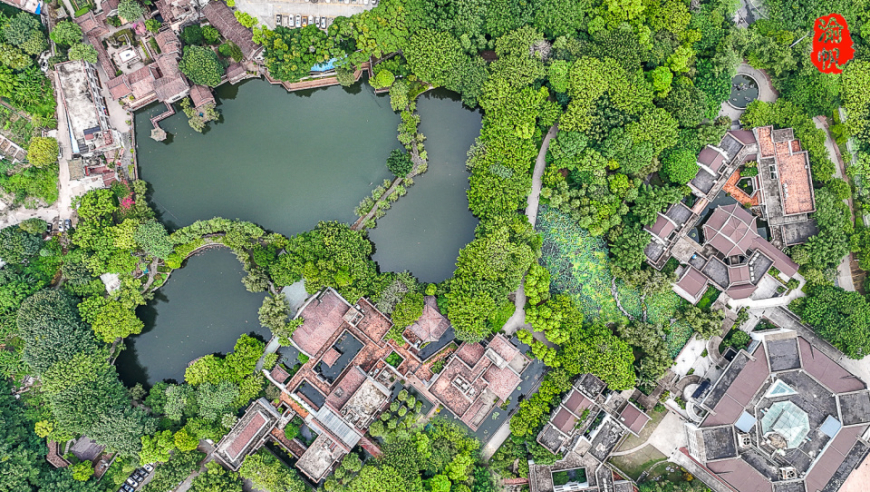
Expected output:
(248, 434)
(85, 109)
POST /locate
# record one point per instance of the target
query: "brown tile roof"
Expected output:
(741, 291)
(663, 227)
(796, 183)
(432, 324)
(168, 42)
(564, 421)
(322, 319)
(576, 402)
(502, 382)
(826, 371)
(90, 25)
(236, 72)
(142, 81)
(375, 324)
(222, 18)
(345, 388)
(633, 418)
(119, 87)
(780, 260)
(500, 345)
(765, 141)
(731, 230)
(693, 282)
(244, 438)
(741, 391)
(103, 56)
(279, 374)
(827, 464)
(330, 357)
(746, 137)
(711, 158)
(470, 353)
(54, 457)
(740, 475)
(738, 274)
(200, 95)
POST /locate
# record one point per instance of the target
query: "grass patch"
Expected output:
(636, 463)
(709, 298)
(764, 325)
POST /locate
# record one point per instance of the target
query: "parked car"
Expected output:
(323, 22)
(311, 20)
(148, 468)
(316, 21)
(138, 475)
(132, 482)
(304, 20)
(277, 20)
(290, 22)
(67, 224)
(127, 488)
(298, 20)
(48, 228)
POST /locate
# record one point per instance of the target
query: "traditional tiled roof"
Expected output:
(505, 349)
(731, 230)
(222, 18)
(236, 72)
(663, 227)
(633, 418)
(470, 353)
(322, 318)
(200, 95)
(711, 158)
(502, 382)
(331, 356)
(693, 283)
(168, 42)
(91, 26)
(279, 374)
(119, 87)
(432, 324)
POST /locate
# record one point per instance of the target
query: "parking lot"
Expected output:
(266, 10)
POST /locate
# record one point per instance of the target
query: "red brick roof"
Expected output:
(279, 374)
(470, 353)
(504, 348)
(350, 382)
(502, 382)
(119, 87)
(168, 42)
(244, 438)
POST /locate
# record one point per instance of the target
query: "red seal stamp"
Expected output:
(832, 44)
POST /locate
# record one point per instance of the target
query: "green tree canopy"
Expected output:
(201, 66)
(42, 151)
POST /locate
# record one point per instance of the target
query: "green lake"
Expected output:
(286, 161)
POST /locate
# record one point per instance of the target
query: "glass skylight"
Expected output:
(788, 420)
(779, 388)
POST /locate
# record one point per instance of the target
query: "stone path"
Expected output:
(844, 269)
(518, 320)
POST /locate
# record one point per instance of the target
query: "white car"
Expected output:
(298, 20)
(311, 19)
(316, 21)
(148, 468)
(290, 22)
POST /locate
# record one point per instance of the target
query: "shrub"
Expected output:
(42, 151)
(399, 163)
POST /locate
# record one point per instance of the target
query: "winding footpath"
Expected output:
(518, 320)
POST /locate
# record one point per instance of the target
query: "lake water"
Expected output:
(286, 161)
(202, 309)
(425, 229)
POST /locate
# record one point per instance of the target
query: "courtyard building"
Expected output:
(782, 417)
